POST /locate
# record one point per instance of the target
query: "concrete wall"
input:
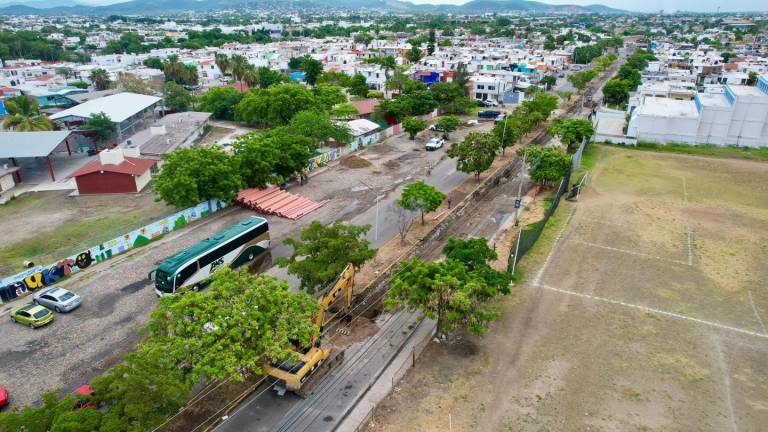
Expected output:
(143, 180)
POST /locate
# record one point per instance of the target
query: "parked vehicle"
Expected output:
(499, 118)
(488, 103)
(3, 397)
(191, 268)
(32, 315)
(58, 299)
(435, 143)
(488, 114)
(435, 128)
(471, 122)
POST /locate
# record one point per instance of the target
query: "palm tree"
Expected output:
(223, 63)
(173, 69)
(238, 64)
(24, 116)
(251, 77)
(100, 79)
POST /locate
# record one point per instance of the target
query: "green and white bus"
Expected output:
(190, 269)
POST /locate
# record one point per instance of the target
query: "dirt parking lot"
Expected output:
(643, 308)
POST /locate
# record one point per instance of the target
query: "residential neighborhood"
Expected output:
(377, 216)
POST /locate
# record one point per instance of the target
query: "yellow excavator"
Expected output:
(301, 376)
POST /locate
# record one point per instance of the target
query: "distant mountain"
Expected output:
(172, 7)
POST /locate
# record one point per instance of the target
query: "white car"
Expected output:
(57, 299)
(435, 143)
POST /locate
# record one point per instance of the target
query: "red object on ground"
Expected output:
(276, 201)
(83, 390)
(3, 397)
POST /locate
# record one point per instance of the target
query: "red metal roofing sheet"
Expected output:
(276, 201)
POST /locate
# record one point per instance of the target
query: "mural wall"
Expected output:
(31, 279)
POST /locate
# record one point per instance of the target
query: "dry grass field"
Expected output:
(644, 308)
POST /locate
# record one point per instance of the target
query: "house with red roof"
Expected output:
(114, 172)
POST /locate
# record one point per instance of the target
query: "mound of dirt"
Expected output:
(355, 161)
(392, 164)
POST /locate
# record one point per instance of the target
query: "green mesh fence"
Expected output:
(531, 233)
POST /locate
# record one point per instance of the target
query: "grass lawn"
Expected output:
(56, 226)
(731, 152)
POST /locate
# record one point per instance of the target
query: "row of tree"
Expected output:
(616, 90)
(581, 79)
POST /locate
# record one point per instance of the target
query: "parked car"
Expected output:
(58, 299)
(3, 397)
(488, 114)
(435, 143)
(32, 315)
(499, 118)
(488, 103)
(435, 128)
(471, 122)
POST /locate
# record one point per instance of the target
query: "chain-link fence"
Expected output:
(531, 233)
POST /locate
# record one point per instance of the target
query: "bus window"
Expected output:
(185, 274)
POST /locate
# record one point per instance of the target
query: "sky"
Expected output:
(652, 5)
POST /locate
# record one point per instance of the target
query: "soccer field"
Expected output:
(668, 258)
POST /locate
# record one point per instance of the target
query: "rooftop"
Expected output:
(168, 134)
(740, 90)
(664, 107)
(30, 144)
(713, 100)
(130, 165)
(119, 107)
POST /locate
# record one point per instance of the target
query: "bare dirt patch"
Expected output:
(591, 356)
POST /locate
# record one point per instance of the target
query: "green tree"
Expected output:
(344, 111)
(752, 79)
(447, 93)
(457, 291)
(397, 81)
(192, 175)
(549, 43)
(312, 69)
(271, 157)
(142, 391)
(276, 105)
(511, 130)
(222, 62)
(329, 95)
(231, 329)
(268, 77)
(79, 84)
(24, 115)
(548, 81)
(422, 197)
(176, 97)
(448, 124)
(546, 165)
(431, 42)
(616, 91)
(334, 78)
(318, 127)
(238, 64)
(476, 153)
(363, 38)
(358, 85)
(462, 76)
(153, 62)
(572, 131)
(221, 102)
(413, 125)
(101, 125)
(321, 253)
(388, 63)
(100, 79)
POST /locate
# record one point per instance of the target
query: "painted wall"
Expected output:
(22, 283)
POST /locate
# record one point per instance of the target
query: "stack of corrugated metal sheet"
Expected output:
(276, 201)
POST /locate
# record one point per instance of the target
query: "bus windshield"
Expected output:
(164, 282)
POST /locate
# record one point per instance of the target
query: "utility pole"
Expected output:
(519, 200)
